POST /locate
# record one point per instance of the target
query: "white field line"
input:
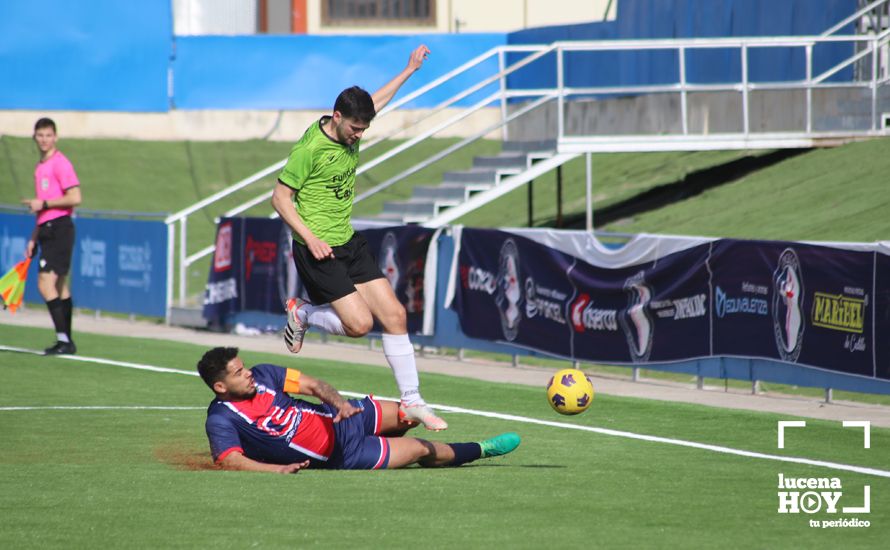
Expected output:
(103, 408)
(525, 420)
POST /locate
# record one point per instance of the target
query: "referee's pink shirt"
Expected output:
(51, 178)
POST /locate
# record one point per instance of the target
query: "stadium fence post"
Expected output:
(635, 374)
(828, 395)
(460, 354)
(515, 360)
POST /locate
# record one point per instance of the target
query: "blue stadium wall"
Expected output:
(308, 71)
(654, 19)
(107, 55)
(93, 55)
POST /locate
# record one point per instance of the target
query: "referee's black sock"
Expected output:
(67, 306)
(57, 313)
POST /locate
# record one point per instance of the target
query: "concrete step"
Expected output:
(528, 146)
(504, 160)
(411, 207)
(396, 219)
(479, 175)
(448, 194)
(443, 195)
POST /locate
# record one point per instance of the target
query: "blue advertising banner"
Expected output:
(792, 302)
(117, 265)
(253, 268)
(401, 255)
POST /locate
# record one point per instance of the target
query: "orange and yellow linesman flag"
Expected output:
(12, 285)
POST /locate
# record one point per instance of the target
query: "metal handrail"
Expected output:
(856, 15)
(561, 92)
(457, 146)
(501, 75)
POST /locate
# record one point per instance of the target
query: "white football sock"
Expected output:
(323, 317)
(400, 355)
(62, 337)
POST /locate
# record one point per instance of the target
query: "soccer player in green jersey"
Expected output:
(347, 290)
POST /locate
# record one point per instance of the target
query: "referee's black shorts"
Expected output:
(56, 241)
(333, 278)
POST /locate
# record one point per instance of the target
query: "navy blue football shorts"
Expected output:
(359, 444)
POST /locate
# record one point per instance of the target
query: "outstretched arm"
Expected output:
(237, 461)
(382, 96)
(327, 393)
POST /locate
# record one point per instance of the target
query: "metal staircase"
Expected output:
(429, 201)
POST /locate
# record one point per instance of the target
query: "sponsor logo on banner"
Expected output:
(388, 261)
(788, 305)
(92, 260)
(221, 291)
(585, 316)
(838, 312)
(725, 304)
(222, 255)
(636, 320)
(134, 262)
(678, 309)
(844, 313)
(509, 290)
(259, 252)
(288, 280)
(544, 302)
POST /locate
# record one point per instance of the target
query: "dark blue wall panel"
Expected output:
(85, 55)
(307, 72)
(648, 19)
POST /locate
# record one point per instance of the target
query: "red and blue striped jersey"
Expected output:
(272, 426)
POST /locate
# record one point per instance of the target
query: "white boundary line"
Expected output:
(102, 408)
(527, 420)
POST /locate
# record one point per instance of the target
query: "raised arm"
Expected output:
(382, 96)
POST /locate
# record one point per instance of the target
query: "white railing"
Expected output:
(874, 45)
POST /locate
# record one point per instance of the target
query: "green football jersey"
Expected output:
(322, 172)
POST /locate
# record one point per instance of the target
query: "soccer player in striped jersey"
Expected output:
(253, 424)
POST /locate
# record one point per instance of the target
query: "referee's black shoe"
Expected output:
(61, 348)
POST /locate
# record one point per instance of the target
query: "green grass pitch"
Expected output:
(143, 479)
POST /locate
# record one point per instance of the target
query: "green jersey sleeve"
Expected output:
(298, 168)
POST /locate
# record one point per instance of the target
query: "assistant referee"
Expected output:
(57, 192)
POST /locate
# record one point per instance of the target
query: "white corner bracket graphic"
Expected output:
(788, 424)
(866, 430)
(866, 503)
